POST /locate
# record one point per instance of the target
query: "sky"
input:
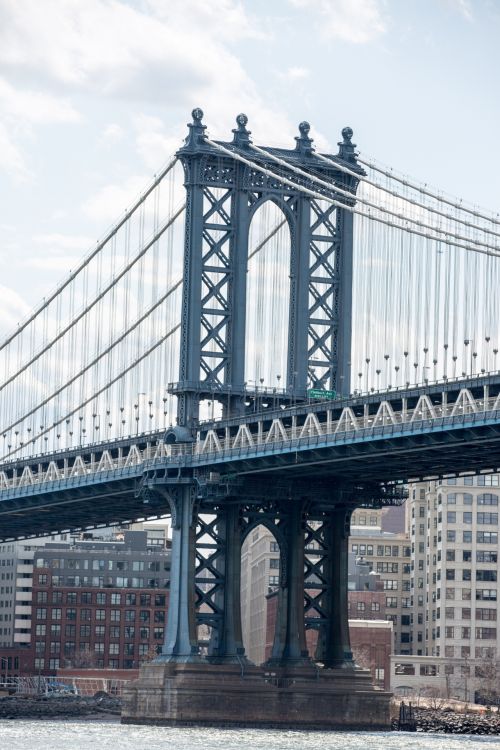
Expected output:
(95, 96)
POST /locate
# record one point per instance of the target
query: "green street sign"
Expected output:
(324, 395)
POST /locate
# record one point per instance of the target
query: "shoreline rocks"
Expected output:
(56, 707)
(449, 722)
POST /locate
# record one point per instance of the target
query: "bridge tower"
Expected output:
(226, 183)
(223, 193)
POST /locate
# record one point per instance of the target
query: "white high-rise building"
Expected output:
(454, 582)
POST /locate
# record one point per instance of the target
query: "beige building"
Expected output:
(259, 575)
(389, 554)
(454, 584)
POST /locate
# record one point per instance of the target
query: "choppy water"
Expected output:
(93, 735)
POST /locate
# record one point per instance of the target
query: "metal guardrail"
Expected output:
(385, 423)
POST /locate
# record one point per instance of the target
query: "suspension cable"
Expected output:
(92, 304)
(429, 193)
(86, 260)
(338, 204)
(104, 388)
(406, 199)
(369, 203)
(97, 359)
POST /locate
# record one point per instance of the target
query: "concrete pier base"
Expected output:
(201, 694)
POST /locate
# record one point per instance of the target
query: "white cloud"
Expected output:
(111, 201)
(113, 132)
(295, 73)
(154, 144)
(56, 242)
(11, 158)
(35, 106)
(356, 21)
(463, 7)
(12, 307)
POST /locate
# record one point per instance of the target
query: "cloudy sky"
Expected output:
(95, 96)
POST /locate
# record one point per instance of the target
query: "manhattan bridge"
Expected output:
(267, 336)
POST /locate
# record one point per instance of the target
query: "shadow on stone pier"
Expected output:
(202, 694)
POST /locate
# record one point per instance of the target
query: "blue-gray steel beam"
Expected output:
(181, 642)
(289, 646)
(333, 647)
(226, 643)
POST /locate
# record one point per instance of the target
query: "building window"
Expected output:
(489, 595)
(116, 599)
(487, 499)
(100, 630)
(42, 579)
(391, 602)
(41, 597)
(450, 574)
(130, 599)
(158, 634)
(115, 615)
(451, 516)
(486, 575)
(487, 537)
(486, 634)
(145, 600)
(70, 631)
(84, 631)
(100, 614)
(450, 555)
(450, 536)
(487, 518)
(485, 614)
(114, 631)
(390, 585)
(466, 574)
(465, 633)
(375, 606)
(71, 597)
(160, 600)
(360, 606)
(129, 632)
(100, 598)
(274, 547)
(274, 562)
(40, 630)
(466, 613)
(71, 614)
(467, 516)
(86, 597)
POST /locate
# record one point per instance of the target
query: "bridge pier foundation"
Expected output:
(231, 696)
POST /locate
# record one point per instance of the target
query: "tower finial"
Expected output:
(196, 129)
(241, 134)
(304, 143)
(346, 147)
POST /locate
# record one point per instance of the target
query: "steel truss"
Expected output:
(223, 194)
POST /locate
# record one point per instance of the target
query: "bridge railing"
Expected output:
(248, 437)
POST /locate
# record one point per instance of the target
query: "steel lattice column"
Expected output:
(181, 643)
(226, 643)
(334, 649)
(289, 647)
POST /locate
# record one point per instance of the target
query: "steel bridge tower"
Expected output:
(212, 514)
(223, 194)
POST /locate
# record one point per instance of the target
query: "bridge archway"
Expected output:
(260, 580)
(268, 295)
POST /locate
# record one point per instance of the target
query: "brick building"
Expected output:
(97, 604)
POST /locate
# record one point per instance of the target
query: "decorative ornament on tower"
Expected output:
(347, 150)
(304, 143)
(241, 134)
(196, 134)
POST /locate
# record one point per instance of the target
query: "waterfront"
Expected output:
(87, 735)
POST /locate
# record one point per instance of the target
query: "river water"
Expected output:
(98, 735)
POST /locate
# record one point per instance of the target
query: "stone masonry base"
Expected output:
(202, 694)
